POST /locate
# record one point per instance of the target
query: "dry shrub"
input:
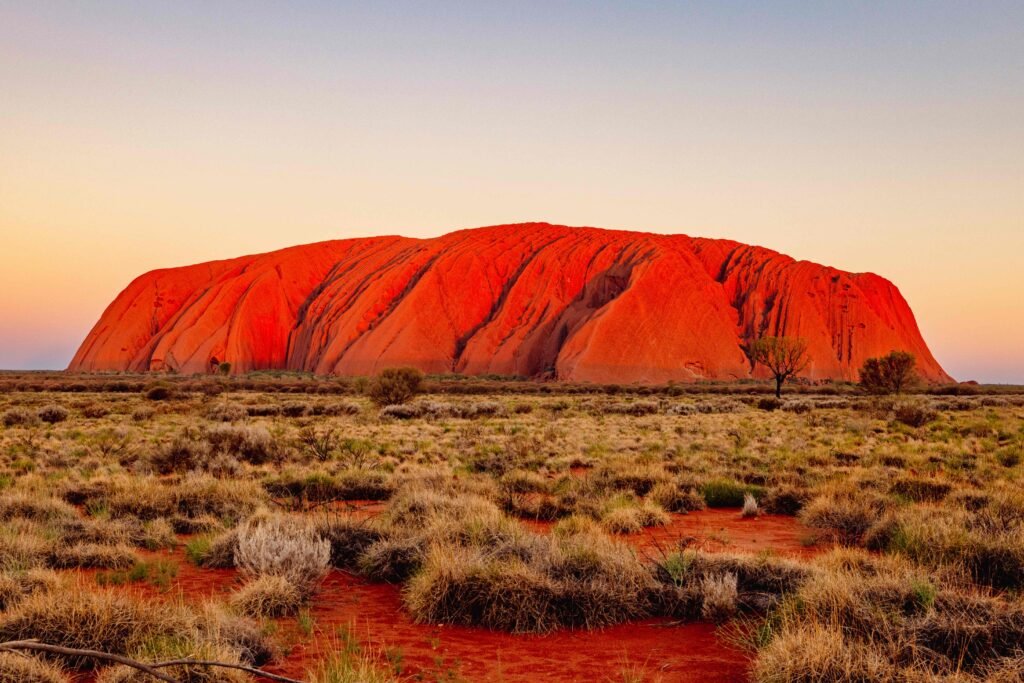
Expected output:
(92, 620)
(576, 524)
(23, 546)
(914, 414)
(20, 417)
(523, 481)
(226, 412)
(268, 596)
(34, 507)
(971, 630)
(16, 585)
(183, 524)
(818, 653)
(636, 408)
(214, 553)
(392, 559)
(17, 667)
(990, 554)
(196, 645)
(622, 520)
(798, 407)
(341, 408)
(785, 500)
(158, 391)
(352, 663)
(157, 534)
(401, 411)
(719, 597)
(675, 498)
(720, 493)
(750, 508)
(896, 624)
(843, 516)
(251, 443)
(186, 451)
(573, 582)
(921, 490)
(285, 547)
(349, 539)
(94, 411)
(631, 518)
(52, 414)
(93, 556)
(570, 581)
(194, 496)
(142, 414)
(628, 475)
(460, 586)
(98, 531)
(123, 624)
(761, 580)
(247, 637)
(227, 499)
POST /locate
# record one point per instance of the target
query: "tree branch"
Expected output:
(91, 654)
(151, 669)
(224, 665)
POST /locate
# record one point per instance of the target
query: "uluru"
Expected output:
(529, 300)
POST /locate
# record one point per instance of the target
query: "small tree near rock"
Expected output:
(889, 374)
(785, 357)
(394, 386)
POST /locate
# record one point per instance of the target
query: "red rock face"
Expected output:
(534, 299)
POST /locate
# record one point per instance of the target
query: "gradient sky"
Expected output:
(885, 137)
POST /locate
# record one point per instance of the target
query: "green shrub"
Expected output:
(394, 386)
(727, 493)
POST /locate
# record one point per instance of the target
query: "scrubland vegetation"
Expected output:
(508, 506)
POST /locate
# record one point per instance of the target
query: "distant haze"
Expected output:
(882, 137)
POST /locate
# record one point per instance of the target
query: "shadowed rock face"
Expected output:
(533, 299)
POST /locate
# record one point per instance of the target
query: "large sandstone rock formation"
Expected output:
(533, 300)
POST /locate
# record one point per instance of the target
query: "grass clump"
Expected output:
(91, 620)
(17, 667)
(565, 581)
(844, 517)
(675, 498)
(268, 597)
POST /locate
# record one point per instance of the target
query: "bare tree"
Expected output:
(784, 357)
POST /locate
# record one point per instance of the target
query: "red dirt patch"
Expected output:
(373, 613)
(719, 530)
(724, 530)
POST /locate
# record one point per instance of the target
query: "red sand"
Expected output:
(591, 305)
(374, 614)
(724, 530)
(719, 530)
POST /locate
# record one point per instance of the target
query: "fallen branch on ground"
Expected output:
(151, 669)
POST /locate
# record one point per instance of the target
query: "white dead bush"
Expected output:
(750, 508)
(285, 547)
(720, 594)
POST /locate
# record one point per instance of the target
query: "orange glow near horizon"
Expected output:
(870, 140)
